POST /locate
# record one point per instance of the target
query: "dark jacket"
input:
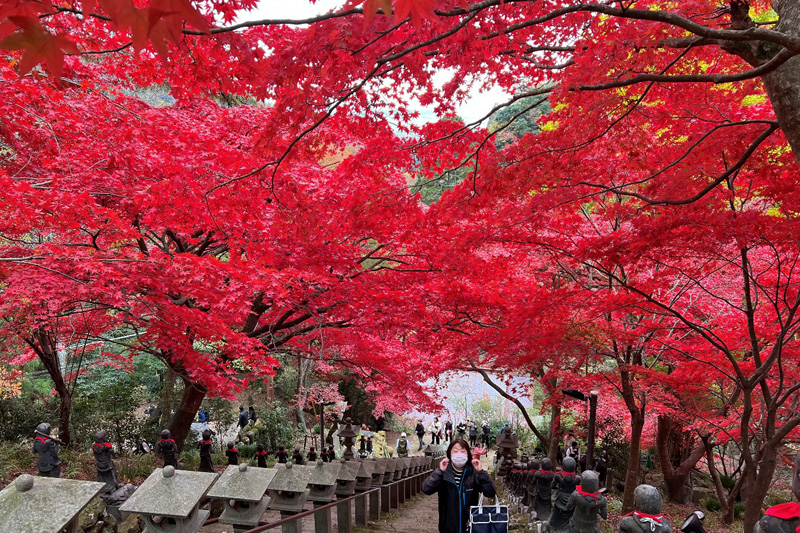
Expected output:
(244, 418)
(419, 430)
(455, 500)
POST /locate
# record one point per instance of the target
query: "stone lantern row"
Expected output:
(169, 500)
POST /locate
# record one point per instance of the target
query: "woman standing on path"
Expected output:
(459, 480)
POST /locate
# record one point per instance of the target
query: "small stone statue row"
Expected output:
(49, 464)
(578, 503)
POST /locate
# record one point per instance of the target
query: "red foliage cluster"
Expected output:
(643, 240)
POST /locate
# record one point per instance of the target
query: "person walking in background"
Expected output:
(602, 469)
(448, 430)
(486, 433)
(251, 415)
(402, 447)
(461, 430)
(569, 438)
(459, 482)
(473, 434)
(243, 417)
(435, 429)
(574, 451)
(420, 431)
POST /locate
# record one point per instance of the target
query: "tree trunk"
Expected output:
(725, 499)
(632, 475)
(165, 402)
(757, 490)
(334, 428)
(181, 421)
(672, 445)
(555, 432)
(64, 412)
(782, 83)
(44, 344)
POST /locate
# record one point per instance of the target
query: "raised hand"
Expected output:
(476, 463)
(443, 464)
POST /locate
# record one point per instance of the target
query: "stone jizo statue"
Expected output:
(45, 447)
(587, 504)
(647, 517)
(103, 455)
(544, 480)
(564, 483)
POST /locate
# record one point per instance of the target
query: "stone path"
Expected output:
(419, 515)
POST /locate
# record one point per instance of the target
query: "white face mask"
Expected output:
(459, 459)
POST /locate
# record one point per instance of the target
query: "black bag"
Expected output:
(492, 519)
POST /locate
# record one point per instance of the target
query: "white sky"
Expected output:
(478, 105)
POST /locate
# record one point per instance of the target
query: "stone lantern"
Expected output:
(407, 467)
(41, 504)
(378, 474)
(288, 493)
(507, 444)
(388, 475)
(346, 479)
(169, 500)
(322, 483)
(322, 486)
(365, 474)
(243, 491)
(349, 435)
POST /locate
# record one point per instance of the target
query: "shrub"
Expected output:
(15, 459)
(246, 451)
(19, 416)
(278, 429)
(135, 468)
(776, 496)
(738, 510)
(712, 504)
(190, 457)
